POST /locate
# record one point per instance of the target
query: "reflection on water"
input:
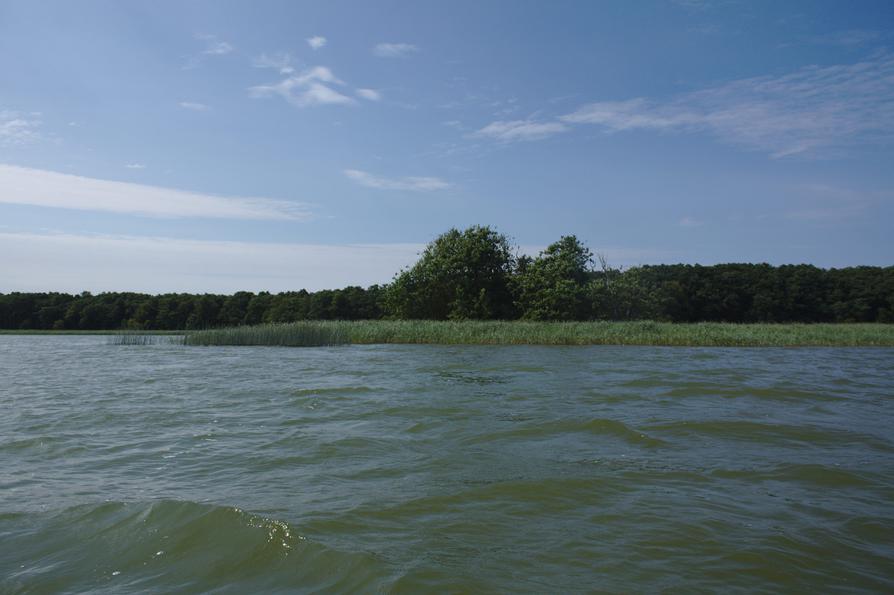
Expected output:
(413, 468)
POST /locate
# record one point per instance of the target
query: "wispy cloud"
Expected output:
(849, 38)
(316, 42)
(309, 88)
(520, 130)
(193, 106)
(690, 222)
(77, 262)
(17, 128)
(281, 61)
(807, 112)
(411, 183)
(394, 50)
(214, 46)
(35, 187)
(135, 166)
(370, 94)
(632, 114)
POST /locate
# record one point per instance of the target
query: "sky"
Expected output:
(212, 146)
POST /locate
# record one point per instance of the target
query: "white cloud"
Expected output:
(630, 114)
(689, 222)
(317, 94)
(21, 185)
(394, 50)
(17, 128)
(194, 106)
(75, 263)
(316, 42)
(214, 46)
(281, 62)
(370, 94)
(134, 166)
(411, 183)
(520, 130)
(308, 88)
(806, 112)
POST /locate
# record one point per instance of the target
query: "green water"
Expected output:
(406, 469)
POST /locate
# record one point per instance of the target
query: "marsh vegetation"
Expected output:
(317, 333)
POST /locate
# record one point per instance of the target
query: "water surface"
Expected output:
(441, 468)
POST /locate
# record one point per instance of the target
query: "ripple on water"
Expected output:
(595, 427)
(767, 433)
(814, 475)
(333, 390)
(439, 469)
(128, 546)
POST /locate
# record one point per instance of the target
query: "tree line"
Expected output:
(476, 274)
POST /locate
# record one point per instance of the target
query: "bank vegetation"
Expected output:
(477, 274)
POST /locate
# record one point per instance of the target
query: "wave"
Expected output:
(811, 474)
(170, 546)
(771, 433)
(596, 427)
(333, 390)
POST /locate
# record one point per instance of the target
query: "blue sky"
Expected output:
(219, 146)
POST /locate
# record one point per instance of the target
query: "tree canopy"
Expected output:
(475, 274)
(553, 286)
(460, 275)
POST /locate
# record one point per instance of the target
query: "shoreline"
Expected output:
(643, 333)
(431, 332)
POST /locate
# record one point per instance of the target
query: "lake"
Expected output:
(401, 468)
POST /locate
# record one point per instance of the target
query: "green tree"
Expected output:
(232, 313)
(460, 275)
(553, 286)
(257, 308)
(204, 314)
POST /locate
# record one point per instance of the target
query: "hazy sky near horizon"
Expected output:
(275, 145)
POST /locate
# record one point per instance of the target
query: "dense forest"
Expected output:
(476, 274)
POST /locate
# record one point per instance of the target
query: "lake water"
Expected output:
(443, 469)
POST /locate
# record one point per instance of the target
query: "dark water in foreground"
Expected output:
(434, 468)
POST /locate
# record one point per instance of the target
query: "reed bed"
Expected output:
(323, 333)
(144, 339)
(85, 332)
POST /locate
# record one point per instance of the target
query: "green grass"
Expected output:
(317, 333)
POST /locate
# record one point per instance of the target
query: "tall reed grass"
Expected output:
(143, 339)
(85, 332)
(320, 333)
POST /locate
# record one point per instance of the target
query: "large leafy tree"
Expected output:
(460, 275)
(553, 286)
